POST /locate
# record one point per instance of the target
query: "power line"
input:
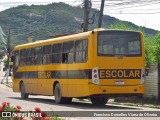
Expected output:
(152, 9)
(129, 4)
(134, 13)
(74, 2)
(136, 5)
(145, 20)
(121, 5)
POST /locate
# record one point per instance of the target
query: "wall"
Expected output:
(151, 83)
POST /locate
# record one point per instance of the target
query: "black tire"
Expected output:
(58, 94)
(24, 95)
(67, 100)
(99, 101)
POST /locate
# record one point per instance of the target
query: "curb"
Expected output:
(136, 105)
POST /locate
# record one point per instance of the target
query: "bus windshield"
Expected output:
(124, 43)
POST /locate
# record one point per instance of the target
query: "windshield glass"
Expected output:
(125, 43)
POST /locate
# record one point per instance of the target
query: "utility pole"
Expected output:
(87, 6)
(8, 54)
(101, 14)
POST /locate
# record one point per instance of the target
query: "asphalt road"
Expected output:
(47, 103)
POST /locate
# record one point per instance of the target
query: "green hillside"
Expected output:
(41, 21)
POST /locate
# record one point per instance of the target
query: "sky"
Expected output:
(140, 12)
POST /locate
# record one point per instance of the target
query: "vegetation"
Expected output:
(1, 54)
(5, 60)
(37, 114)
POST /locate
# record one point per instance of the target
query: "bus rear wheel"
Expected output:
(24, 95)
(99, 101)
(58, 94)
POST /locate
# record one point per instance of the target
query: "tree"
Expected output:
(121, 25)
(157, 47)
(150, 50)
(2, 37)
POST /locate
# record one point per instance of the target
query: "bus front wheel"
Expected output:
(99, 101)
(58, 94)
(24, 95)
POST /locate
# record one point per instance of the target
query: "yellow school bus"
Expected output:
(95, 64)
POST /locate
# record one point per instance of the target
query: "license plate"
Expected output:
(119, 82)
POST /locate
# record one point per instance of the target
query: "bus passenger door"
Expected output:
(67, 58)
(32, 81)
(77, 69)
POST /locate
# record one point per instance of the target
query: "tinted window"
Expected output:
(56, 53)
(38, 55)
(23, 57)
(81, 50)
(30, 56)
(68, 52)
(16, 61)
(47, 54)
(119, 43)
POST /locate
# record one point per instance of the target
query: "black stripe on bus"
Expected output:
(80, 74)
(72, 74)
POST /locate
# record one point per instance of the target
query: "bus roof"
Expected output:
(55, 40)
(64, 38)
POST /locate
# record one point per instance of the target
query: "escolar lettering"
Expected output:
(121, 74)
(44, 75)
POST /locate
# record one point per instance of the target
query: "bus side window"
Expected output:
(68, 52)
(30, 55)
(47, 54)
(56, 53)
(23, 57)
(38, 55)
(16, 61)
(81, 50)
(64, 57)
